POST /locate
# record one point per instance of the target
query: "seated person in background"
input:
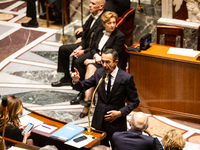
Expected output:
(77, 50)
(133, 139)
(173, 140)
(13, 129)
(107, 37)
(118, 6)
(100, 147)
(31, 12)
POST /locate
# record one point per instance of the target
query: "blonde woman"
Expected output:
(13, 129)
(173, 140)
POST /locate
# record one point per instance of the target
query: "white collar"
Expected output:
(114, 72)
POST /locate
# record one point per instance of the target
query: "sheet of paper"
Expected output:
(45, 128)
(80, 144)
(183, 52)
(16, 148)
(28, 119)
(191, 146)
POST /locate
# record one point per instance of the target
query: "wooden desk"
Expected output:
(42, 138)
(167, 84)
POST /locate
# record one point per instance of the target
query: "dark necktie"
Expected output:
(109, 85)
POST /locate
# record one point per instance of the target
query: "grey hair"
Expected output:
(48, 147)
(136, 125)
(100, 147)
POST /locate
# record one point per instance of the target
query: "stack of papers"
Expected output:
(67, 132)
(45, 128)
(28, 119)
(183, 52)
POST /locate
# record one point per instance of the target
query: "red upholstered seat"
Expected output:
(126, 23)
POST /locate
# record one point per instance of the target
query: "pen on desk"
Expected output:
(46, 127)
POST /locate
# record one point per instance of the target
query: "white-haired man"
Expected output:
(133, 139)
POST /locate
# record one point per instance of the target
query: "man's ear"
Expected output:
(147, 126)
(116, 61)
(129, 121)
(101, 6)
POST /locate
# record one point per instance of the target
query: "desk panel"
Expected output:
(166, 83)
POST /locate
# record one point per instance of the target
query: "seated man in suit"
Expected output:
(77, 50)
(133, 139)
(31, 12)
(111, 111)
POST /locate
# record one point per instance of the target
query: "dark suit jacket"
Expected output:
(135, 140)
(87, 31)
(116, 41)
(118, 6)
(123, 87)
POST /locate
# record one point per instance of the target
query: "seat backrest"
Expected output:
(170, 34)
(126, 24)
(121, 25)
(125, 57)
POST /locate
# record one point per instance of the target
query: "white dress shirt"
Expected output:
(113, 76)
(104, 39)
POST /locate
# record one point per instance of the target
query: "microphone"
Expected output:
(102, 78)
(4, 101)
(89, 128)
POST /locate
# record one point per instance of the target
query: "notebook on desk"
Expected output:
(67, 132)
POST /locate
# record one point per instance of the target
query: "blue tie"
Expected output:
(109, 85)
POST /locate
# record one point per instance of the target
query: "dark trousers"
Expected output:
(63, 60)
(31, 9)
(108, 137)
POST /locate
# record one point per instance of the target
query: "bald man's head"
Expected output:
(139, 121)
(96, 6)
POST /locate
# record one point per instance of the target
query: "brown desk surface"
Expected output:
(167, 84)
(160, 51)
(99, 135)
(42, 138)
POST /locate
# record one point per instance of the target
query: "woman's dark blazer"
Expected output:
(115, 41)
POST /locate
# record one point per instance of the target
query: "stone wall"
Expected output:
(146, 21)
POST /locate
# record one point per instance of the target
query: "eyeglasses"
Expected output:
(106, 62)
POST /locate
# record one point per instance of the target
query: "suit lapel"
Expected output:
(112, 36)
(102, 91)
(94, 26)
(100, 35)
(116, 84)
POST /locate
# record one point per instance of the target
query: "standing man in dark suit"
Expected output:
(118, 6)
(133, 139)
(77, 50)
(110, 112)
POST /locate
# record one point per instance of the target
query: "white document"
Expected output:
(28, 119)
(183, 52)
(16, 148)
(191, 146)
(45, 128)
(81, 143)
